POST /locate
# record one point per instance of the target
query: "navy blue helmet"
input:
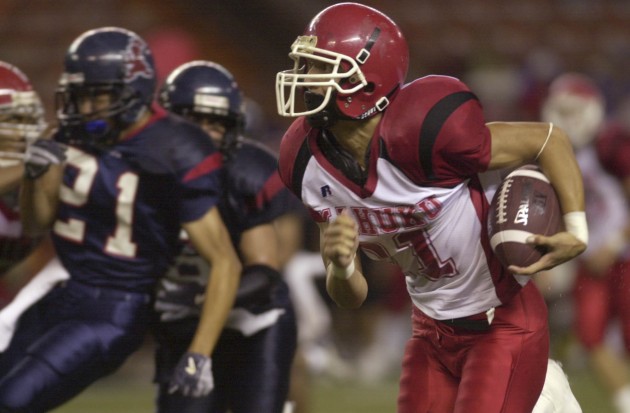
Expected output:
(203, 89)
(108, 60)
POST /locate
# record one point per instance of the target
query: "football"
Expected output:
(524, 204)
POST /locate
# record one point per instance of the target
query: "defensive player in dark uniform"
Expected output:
(393, 168)
(252, 360)
(115, 196)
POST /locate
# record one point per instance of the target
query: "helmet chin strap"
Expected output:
(325, 118)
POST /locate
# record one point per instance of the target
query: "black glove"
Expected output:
(40, 155)
(192, 376)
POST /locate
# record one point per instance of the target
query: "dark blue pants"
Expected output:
(251, 374)
(72, 337)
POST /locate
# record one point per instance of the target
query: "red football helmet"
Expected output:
(576, 104)
(366, 56)
(21, 110)
(17, 97)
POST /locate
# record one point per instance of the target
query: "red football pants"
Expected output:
(502, 370)
(598, 300)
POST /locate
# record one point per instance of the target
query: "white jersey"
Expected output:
(420, 206)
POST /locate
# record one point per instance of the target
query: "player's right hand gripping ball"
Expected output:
(525, 204)
(192, 376)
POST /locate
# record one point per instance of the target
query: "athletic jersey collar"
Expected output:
(364, 191)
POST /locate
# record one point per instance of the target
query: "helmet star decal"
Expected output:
(136, 64)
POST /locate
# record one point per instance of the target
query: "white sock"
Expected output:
(622, 399)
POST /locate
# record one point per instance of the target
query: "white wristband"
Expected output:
(575, 223)
(343, 273)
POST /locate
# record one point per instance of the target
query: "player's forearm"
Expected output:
(219, 299)
(346, 293)
(38, 202)
(558, 163)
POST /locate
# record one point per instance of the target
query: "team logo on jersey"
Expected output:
(136, 62)
(325, 191)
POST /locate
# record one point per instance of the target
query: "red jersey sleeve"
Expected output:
(463, 147)
(436, 133)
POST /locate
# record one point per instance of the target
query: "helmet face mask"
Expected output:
(366, 59)
(207, 94)
(104, 65)
(21, 113)
(305, 54)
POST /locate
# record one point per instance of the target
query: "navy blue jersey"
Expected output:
(253, 195)
(252, 360)
(121, 209)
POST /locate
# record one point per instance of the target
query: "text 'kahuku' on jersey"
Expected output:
(422, 177)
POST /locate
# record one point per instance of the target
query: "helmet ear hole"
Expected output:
(369, 88)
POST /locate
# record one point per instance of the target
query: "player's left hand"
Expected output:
(192, 376)
(561, 247)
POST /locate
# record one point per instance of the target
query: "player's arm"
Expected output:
(518, 143)
(10, 177)
(39, 199)
(289, 230)
(211, 240)
(21, 273)
(259, 246)
(345, 282)
(39, 195)
(259, 252)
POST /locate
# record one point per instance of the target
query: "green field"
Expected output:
(130, 392)
(328, 397)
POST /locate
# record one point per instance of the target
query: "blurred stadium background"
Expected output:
(506, 50)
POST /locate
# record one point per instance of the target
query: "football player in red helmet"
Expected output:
(21, 122)
(393, 168)
(602, 285)
(22, 257)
